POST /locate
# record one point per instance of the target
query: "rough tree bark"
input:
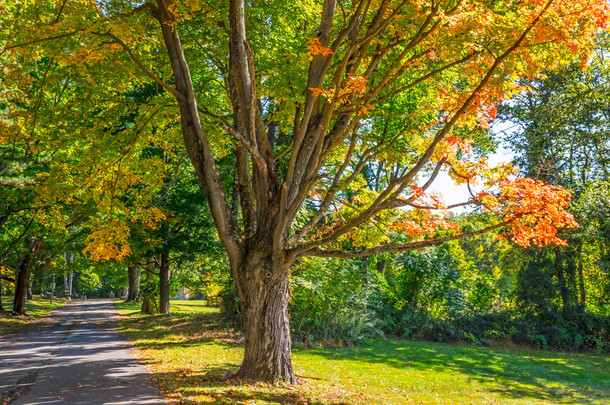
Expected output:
(164, 283)
(33, 247)
(134, 273)
(264, 295)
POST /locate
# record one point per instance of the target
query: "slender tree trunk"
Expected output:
(29, 294)
(21, 283)
(134, 283)
(1, 307)
(65, 291)
(164, 283)
(70, 280)
(52, 288)
(381, 263)
(149, 305)
(264, 306)
(37, 283)
(563, 289)
(581, 280)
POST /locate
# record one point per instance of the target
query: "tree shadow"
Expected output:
(509, 373)
(522, 374)
(190, 386)
(193, 330)
(185, 386)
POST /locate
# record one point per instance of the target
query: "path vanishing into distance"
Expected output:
(80, 359)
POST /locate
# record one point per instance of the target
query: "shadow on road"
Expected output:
(83, 360)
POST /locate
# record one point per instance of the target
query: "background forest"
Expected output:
(483, 289)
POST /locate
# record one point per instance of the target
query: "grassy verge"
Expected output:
(35, 309)
(179, 349)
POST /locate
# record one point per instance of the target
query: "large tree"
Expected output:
(306, 94)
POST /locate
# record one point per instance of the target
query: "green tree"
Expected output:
(562, 137)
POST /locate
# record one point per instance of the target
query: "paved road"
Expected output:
(80, 360)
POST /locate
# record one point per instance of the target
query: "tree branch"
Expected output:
(138, 62)
(394, 248)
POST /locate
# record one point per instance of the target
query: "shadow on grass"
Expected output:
(522, 374)
(189, 386)
(160, 331)
(510, 373)
(186, 386)
(35, 310)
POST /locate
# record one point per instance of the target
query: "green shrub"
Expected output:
(332, 302)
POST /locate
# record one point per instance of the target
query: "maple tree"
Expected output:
(305, 95)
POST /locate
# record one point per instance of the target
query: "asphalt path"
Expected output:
(79, 359)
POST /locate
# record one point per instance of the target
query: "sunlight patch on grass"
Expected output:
(179, 350)
(35, 309)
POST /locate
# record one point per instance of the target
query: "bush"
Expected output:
(230, 306)
(332, 302)
(427, 296)
(571, 332)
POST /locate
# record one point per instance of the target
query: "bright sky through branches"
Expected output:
(454, 194)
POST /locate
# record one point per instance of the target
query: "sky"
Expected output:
(452, 193)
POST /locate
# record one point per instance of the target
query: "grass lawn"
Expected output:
(35, 309)
(179, 349)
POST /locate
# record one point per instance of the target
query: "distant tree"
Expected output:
(562, 137)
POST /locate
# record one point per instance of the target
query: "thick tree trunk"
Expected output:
(21, 290)
(264, 305)
(21, 283)
(134, 283)
(263, 290)
(164, 283)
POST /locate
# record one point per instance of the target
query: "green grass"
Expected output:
(35, 309)
(179, 349)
